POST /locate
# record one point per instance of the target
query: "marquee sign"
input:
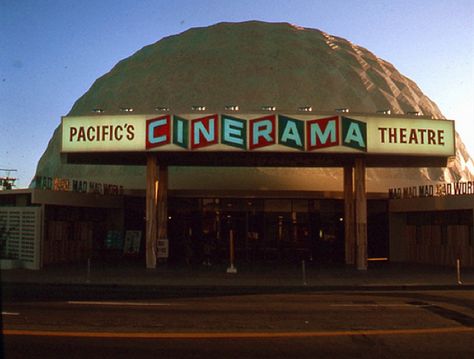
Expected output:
(269, 133)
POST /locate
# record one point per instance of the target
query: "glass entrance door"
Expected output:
(264, 230)
(327, 231)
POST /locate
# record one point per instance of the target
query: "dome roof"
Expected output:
(254, 64)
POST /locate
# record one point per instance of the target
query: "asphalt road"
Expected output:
(427, 324)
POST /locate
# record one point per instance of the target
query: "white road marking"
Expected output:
(135, 304)
(10, 313)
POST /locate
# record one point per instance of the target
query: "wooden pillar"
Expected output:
(349, 233)
(163, 202)
(360, 214)
(151, 209)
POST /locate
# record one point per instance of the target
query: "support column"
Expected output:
(360, 214)
(349, 233)
(151, 209)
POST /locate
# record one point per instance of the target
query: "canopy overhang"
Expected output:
(246, 159)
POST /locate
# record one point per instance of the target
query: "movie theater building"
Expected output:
(254, 143)
(430, 223)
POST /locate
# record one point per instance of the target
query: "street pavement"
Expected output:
(121, 309)
(366, 324)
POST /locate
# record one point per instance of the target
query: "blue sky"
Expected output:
(51, 51)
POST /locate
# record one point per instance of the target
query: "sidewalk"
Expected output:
(378, 276)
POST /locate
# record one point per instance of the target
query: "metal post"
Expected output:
(303, 271)
(458, 270)
(231, 268)
(88, 278)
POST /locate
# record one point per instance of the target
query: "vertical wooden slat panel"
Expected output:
(436, 244)
(411, 237)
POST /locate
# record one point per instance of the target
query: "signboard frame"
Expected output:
(273, 133)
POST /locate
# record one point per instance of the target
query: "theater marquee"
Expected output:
(268, 133)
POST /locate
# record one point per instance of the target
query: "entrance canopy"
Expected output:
(265, 139)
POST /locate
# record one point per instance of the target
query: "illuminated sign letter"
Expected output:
(234, 132)
(354, 134)
(323, 132)
(180, 132)
(262, 132)
(291, 132)
(204, 131)
(158, 131)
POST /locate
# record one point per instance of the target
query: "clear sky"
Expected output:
(51, 51)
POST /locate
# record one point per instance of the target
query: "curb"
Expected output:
(60, 291)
